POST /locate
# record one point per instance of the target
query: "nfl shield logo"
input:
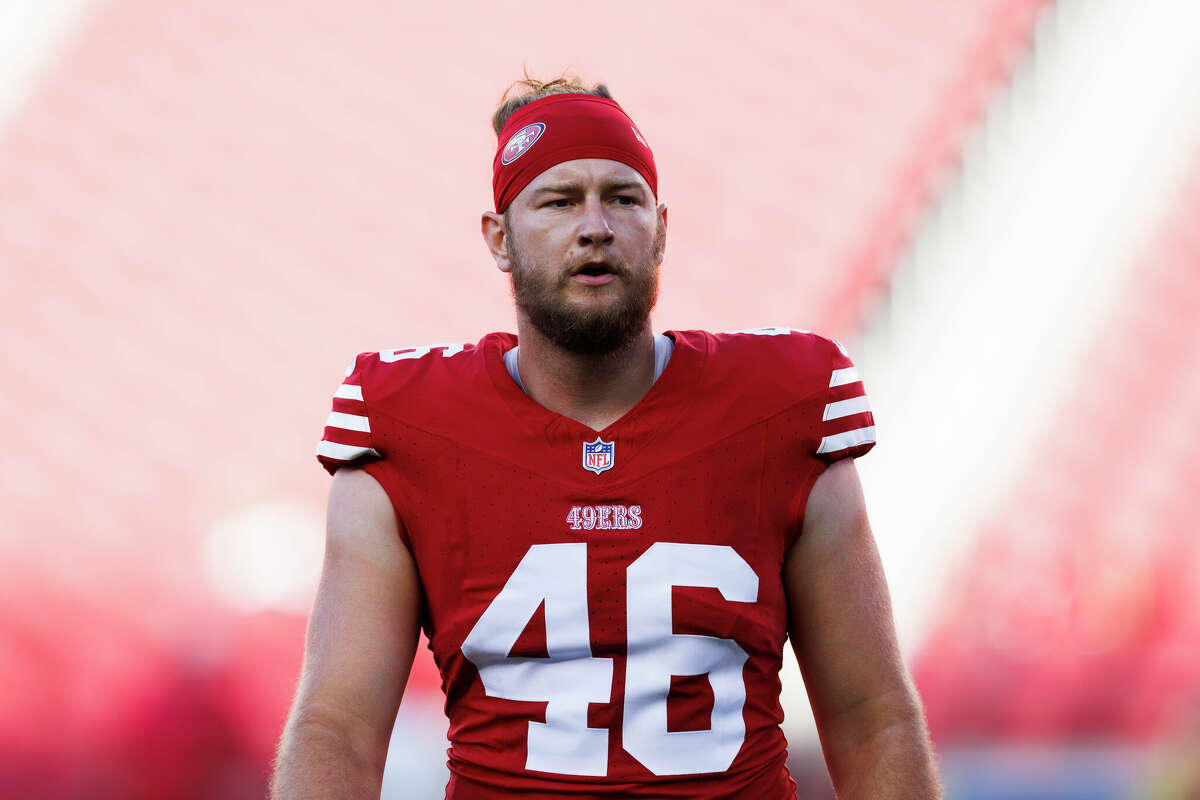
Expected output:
(599, 455)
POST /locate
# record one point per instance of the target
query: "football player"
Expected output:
(607, 534)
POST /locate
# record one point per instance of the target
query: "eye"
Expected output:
(626, 200)
(560, 202)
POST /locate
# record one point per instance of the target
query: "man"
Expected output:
(607, 534)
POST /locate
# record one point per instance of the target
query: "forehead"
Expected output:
(588, 173)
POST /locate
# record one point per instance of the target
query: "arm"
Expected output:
(361, 639)
(868, 714)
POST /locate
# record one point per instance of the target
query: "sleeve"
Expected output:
(847, 428)
(348, 441)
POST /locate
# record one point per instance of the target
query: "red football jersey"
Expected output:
(606, 607)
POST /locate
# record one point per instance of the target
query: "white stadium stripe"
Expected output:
(344, 452)
(840, 441)
(841, 377)
(348, 422)
(844, 408)
(348, 391)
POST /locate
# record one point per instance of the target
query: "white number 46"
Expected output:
(571, 677)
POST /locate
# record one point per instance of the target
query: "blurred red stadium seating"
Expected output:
(1077, 617)
(208, 208)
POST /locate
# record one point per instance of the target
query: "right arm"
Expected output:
(361, 640)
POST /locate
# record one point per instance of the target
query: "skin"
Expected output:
(574, 212)
(868, 713)
(362, 635)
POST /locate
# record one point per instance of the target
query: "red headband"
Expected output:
(560, 128)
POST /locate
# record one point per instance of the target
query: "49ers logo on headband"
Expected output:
(521, 141)
(584, 126)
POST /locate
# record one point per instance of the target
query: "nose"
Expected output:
(594, 230)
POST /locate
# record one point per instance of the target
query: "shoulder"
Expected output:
(793, 363)
(427, 386)
(420, 368)
(789, 346)
(764, 372)
(425, 383)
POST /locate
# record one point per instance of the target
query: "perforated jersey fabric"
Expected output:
(612, 626)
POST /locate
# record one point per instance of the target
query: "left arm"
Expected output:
(868, 713)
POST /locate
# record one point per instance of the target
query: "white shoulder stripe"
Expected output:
(344, 452)
(348, 391)
(841, 377)
(348, 422)
(844, 408)
(840, 441)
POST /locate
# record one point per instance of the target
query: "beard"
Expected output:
(539, 292)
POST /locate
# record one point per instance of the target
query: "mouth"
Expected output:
(594, 273)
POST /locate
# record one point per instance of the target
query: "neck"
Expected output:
(593, 390)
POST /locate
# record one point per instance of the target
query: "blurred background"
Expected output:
(208, 207)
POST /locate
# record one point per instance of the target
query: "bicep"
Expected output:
(362, 634)
(840, 614)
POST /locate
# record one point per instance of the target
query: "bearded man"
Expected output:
(607, 534)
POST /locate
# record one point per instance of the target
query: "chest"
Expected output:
(697, 543)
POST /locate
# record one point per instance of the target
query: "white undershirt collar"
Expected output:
(663, 347)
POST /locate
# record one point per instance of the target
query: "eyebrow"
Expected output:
(569, 187)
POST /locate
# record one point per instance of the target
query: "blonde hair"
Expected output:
(530, 89)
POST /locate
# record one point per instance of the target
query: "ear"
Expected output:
(495, 237)
(662, 233)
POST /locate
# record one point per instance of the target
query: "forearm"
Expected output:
(890, 758)
(319, 761)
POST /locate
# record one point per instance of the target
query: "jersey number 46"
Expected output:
(571, 677)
